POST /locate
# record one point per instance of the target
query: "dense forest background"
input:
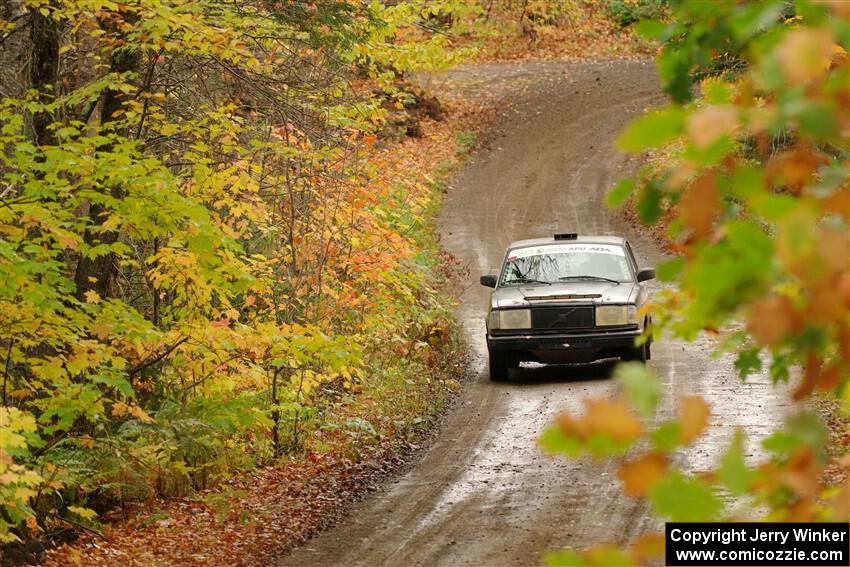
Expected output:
(217, 253)
(212, 241)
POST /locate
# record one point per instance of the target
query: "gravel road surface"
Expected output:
(484, 493)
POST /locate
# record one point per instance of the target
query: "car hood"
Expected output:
(566, 292)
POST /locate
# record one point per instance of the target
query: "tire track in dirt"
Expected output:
(484, 494)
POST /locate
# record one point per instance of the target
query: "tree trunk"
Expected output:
(95, 274)
(44, 66)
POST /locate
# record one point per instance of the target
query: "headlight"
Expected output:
(493, 322)
(510, 319)
(610, 315)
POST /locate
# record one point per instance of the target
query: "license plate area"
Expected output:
(568, 344)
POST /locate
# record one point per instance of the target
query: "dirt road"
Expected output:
(484, 494)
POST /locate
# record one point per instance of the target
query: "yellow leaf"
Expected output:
(92, 296)
(84, 513)
(101, 330)
(141, 414)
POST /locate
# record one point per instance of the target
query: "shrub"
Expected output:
(627, 12)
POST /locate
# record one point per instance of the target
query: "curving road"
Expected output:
(484, 494)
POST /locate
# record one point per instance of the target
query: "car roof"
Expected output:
(584, 239)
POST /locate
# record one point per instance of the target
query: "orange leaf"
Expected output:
(693, 415)
(802, 473)
(811, 374)
(647, 546)
(700, 205)
(709, 124)
(613, 418)
(838, 202)
(803, 52)
(796, 167)
(771, 319)
(639, 475)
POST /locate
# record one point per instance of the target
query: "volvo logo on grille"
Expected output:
(564, 315)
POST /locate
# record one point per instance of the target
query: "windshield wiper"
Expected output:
(563, 278)
(526, 280)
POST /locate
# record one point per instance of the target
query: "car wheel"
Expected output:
(640, 354)
(499, 365)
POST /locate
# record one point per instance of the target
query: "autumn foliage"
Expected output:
(750, 179)
(201, 244)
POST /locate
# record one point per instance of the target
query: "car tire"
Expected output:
(640, 354)
(499, 365)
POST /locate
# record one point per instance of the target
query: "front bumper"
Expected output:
(564, 347)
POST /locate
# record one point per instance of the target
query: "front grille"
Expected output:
(560, 318)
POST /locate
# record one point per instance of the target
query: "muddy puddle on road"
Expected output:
(485, 494)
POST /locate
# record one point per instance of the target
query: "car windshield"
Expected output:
(566, 262)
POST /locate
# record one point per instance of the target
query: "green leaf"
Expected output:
(668, 271)
(773, 207)
(674, 68)
(598, 557)
(781, 442)
(684, 499)
(667, 436)
(553, 440)
(652, 29)
(817, 119)
(733, 471)
(641, 386)
(805, 429)
(747, 181)
(649, 203)
(620, 193)
(653, 130)
(747, 362)
(568, 558)
(603, 445)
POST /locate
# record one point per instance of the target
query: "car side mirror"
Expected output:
(646, 274)
(488, 281)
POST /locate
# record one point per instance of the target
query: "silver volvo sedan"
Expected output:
(566, 299)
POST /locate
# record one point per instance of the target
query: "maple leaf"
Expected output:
(639, 475)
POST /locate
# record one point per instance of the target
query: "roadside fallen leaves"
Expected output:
(275, 509)
(262, 513)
